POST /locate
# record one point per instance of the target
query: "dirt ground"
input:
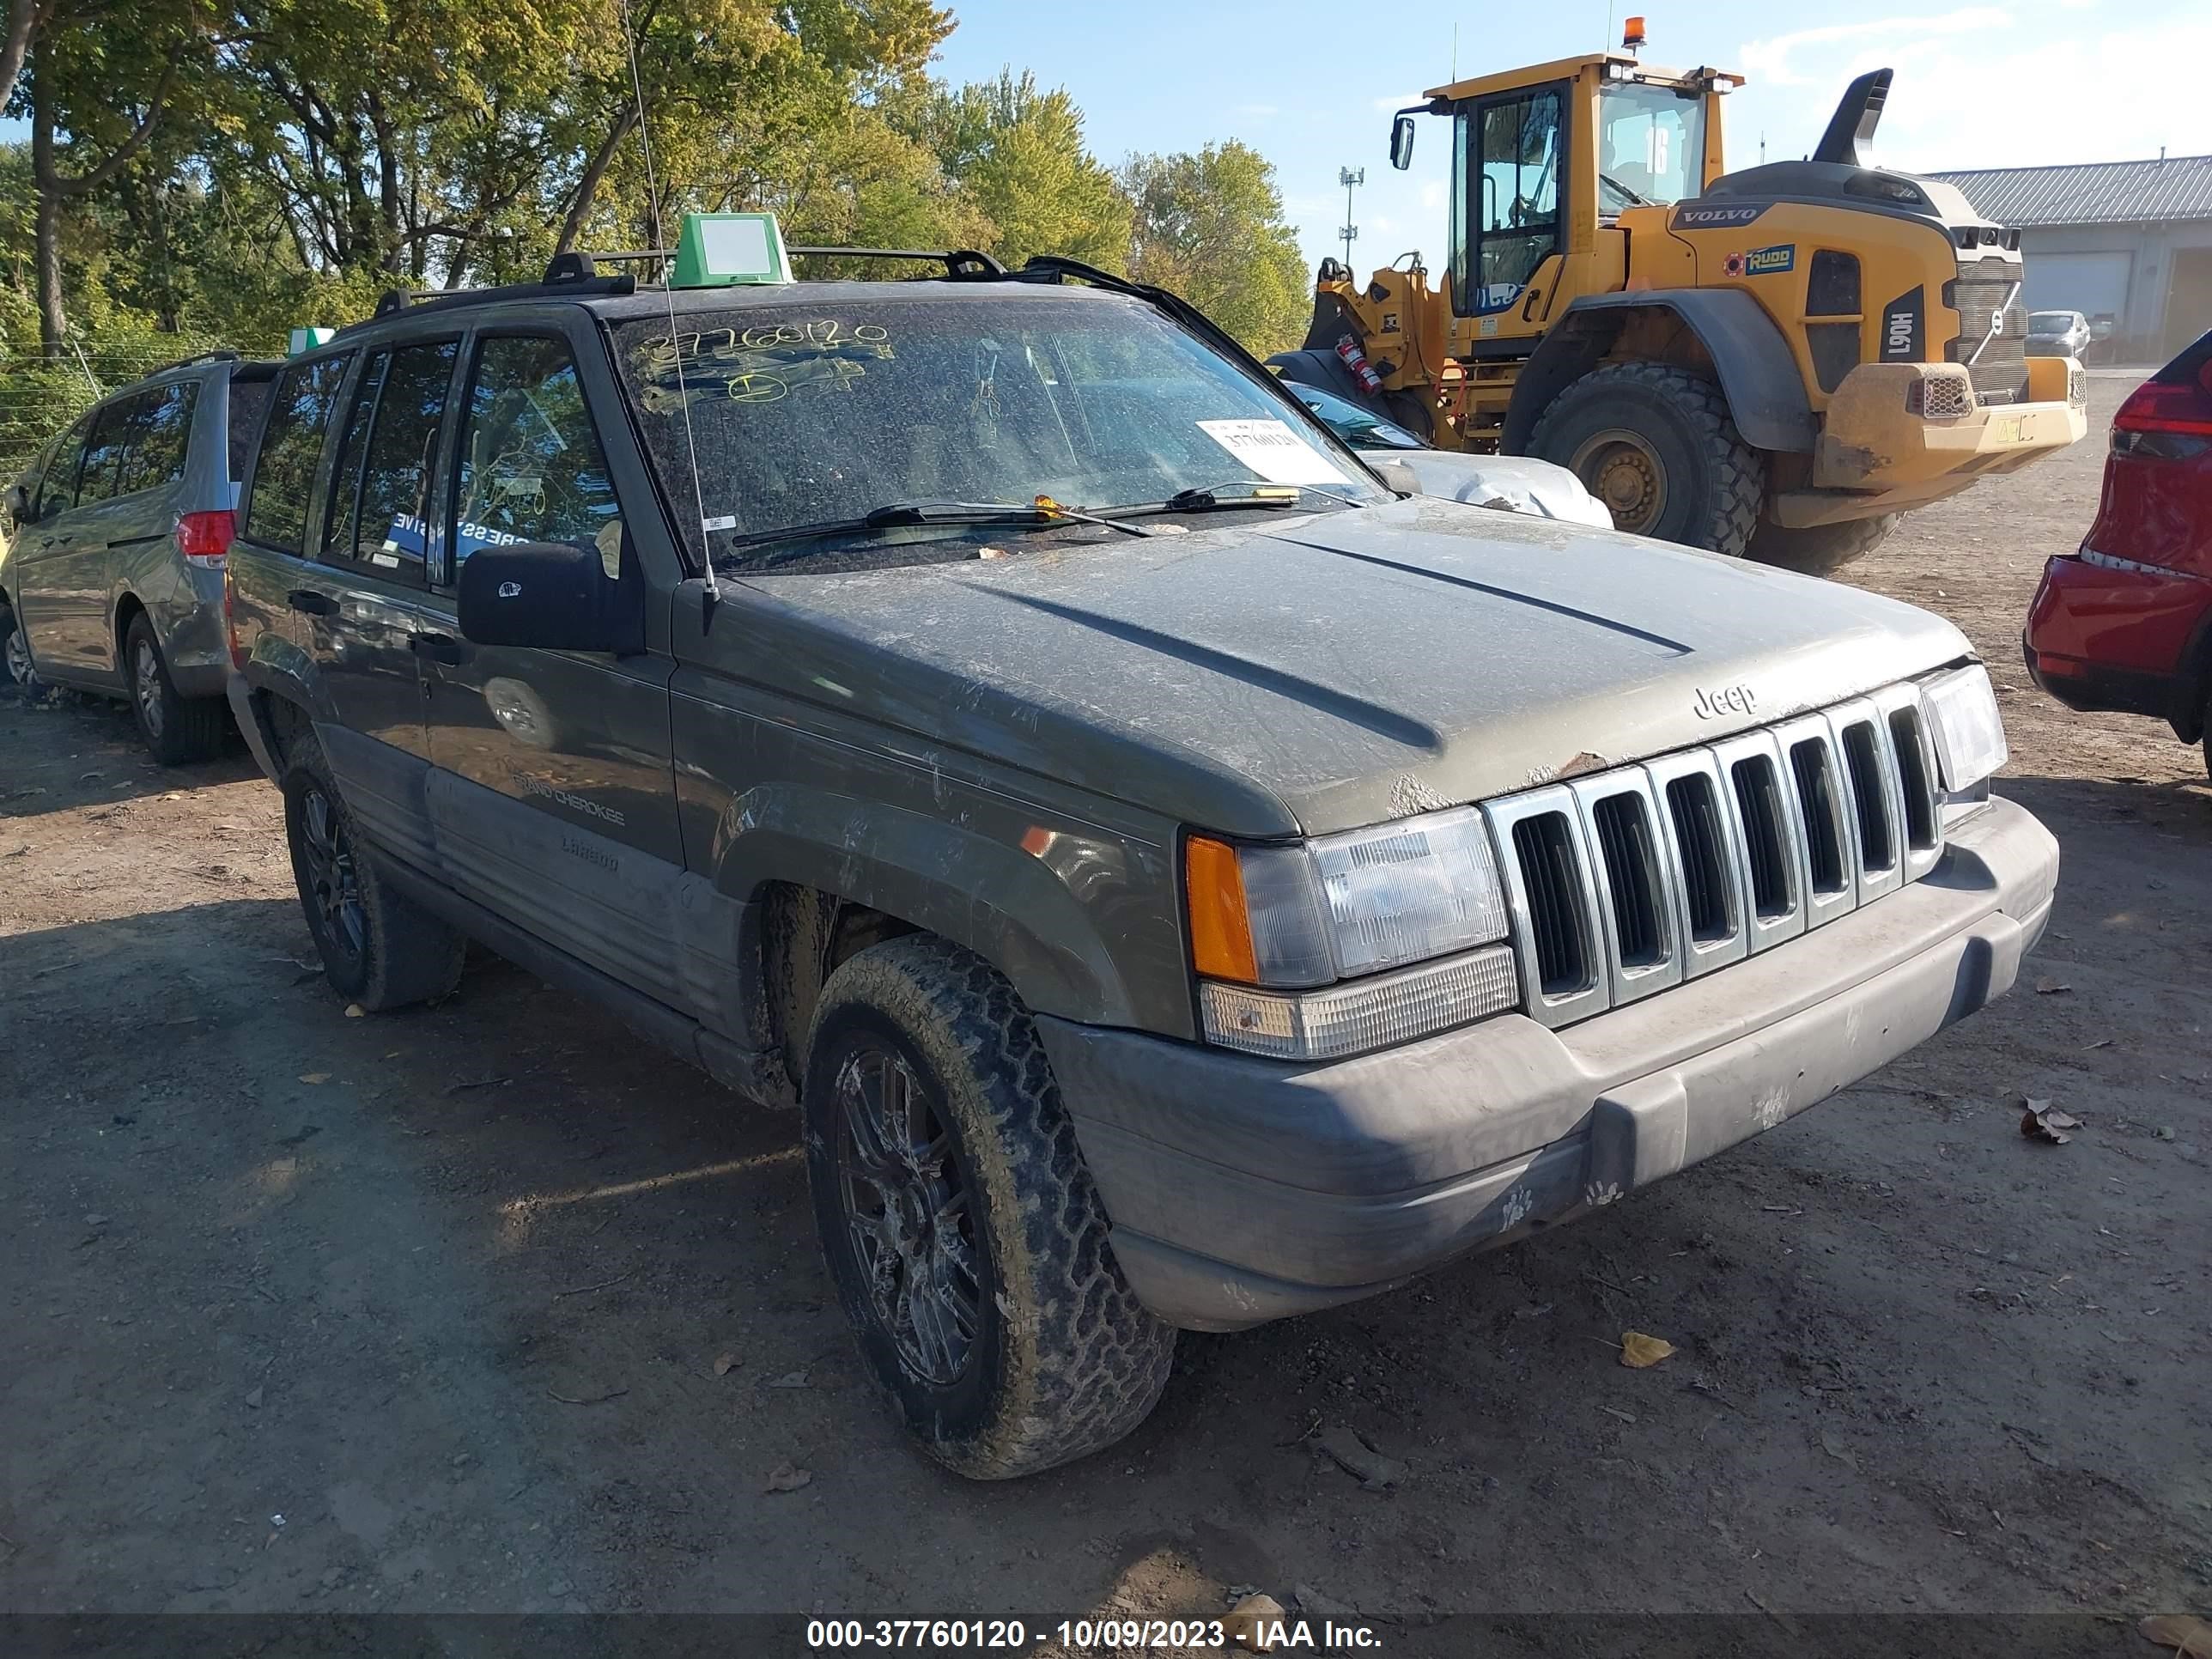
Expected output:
(488, 1307)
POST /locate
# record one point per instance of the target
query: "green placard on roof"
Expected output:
(717, 250)
(307, 339)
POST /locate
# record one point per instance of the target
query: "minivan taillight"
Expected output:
(2180, 407)
(204, 538)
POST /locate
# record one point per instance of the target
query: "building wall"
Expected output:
(2169, 293)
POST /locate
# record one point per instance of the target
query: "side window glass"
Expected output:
(57, 487)
(114, 430)
(1518, 185)
(164, 431)
(342, 525)
(390, 529)
(291, 447)
(530, 466)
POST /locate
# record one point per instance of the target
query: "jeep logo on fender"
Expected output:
(1903, 321)
(1712, 702)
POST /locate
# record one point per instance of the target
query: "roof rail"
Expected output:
(960, 262)
(392, 301)
(221, 355)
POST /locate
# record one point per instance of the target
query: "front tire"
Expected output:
(968, 1244)
(177, 730)
(1820, 550)
(1658, 446)
(378, 948)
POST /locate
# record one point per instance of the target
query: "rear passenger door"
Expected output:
(78, 641)
(554, 794)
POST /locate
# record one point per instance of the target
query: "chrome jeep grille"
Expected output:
(1625, 882)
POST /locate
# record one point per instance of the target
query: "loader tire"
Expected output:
(1657, 445)
(1822, 549)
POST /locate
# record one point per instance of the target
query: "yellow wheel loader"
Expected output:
(1774, 362)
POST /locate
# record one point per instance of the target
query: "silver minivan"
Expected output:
(114, 579)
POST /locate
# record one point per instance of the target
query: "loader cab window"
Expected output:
(1651, 145)
(1508, 158)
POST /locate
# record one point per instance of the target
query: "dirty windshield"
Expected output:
(819, 414)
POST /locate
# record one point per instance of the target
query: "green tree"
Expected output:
(1020, 154)
(1209, 226)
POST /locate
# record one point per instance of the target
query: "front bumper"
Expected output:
(1243, 1190)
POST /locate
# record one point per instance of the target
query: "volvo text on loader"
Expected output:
(1773, 363)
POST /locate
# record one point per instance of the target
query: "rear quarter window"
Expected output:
(291, 450)
(248, 400)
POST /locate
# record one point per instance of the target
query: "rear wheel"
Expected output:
(1656, 445)
(378, 948)
(177, 730)
(1820, 548)
(968, 1245)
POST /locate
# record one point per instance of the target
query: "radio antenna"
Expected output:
(675, 341)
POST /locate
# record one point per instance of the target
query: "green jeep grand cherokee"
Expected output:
(1181, 883)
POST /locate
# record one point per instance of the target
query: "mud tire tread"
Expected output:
(1085, 1362)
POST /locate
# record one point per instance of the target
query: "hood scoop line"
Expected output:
(1672, 647)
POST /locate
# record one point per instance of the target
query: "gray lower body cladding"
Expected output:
(1243, 1190)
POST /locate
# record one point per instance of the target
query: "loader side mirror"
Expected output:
(1401, 142)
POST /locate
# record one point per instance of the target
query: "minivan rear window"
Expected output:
(291, 450)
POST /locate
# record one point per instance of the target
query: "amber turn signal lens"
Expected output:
(1220, 926)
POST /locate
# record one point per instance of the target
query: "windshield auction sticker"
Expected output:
(1273, 451)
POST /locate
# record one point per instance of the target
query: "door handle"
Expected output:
(439, 648)
(309, 603)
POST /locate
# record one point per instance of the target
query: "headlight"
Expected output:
(1340, 907)
(1969, 734)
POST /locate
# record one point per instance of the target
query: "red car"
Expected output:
(2126, 623)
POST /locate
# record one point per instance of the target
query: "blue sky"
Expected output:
(1310, 85)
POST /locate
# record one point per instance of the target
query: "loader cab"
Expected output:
(1545, 163)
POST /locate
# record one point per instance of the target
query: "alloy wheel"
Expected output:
(909, 1215)
(333, 887)
(146, 686)
(19, 668)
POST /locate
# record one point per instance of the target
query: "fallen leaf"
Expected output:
(2044, 1121)
(355, 1011)
(785, 1478)
(2191, 1637)
(314, 1077)
(1639, 1351)
(1254, 1622)
(253, 1397)
(725, 1363)
(1351, 1453)
(2048, 986)
(788, 1380)
(1836, 1449)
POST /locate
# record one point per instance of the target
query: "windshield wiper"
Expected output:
(1219, 498)
(892, 515)
(1634, 200)
(1043, 510)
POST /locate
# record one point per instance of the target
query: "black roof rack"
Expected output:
(960, 262)
(221, 355)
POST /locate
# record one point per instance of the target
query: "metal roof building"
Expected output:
(2127, 241)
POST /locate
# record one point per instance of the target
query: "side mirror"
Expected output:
(18, 504)
(555, 596)
(1401, 142)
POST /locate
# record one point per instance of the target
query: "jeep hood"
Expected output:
(1316, 672)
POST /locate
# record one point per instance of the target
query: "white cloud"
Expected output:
(1954, 70)
(1432, 194)
(1401, 101)
(1255, 112)
(1769, 61)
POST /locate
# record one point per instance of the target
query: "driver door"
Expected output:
(1512, 165)
(552, 793)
